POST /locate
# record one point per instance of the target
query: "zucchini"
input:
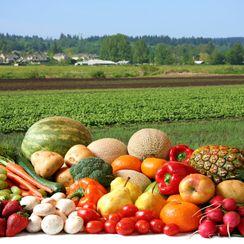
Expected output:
(27, 166)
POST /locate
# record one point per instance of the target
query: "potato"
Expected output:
(76, 153)
(46, 163)
(231, 189)
(64, 177)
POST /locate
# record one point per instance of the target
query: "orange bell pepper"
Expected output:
(86, 191)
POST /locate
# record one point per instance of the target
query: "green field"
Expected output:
(195, 115)
(71, 71)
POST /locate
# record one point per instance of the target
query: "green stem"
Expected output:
(79, 193)
(167, 178)
(181, 156)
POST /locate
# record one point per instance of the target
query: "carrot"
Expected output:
(18, 170)
(25, 193)
(18, 179)
(29, 193)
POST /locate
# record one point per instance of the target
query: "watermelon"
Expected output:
(57, 134)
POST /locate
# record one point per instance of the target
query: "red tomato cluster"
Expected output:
(128, 221)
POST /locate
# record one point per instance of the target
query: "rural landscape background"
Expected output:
(191, 87)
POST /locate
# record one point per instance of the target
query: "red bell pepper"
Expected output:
(180, 153)
(170, 176)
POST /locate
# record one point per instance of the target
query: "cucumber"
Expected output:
(27, 166)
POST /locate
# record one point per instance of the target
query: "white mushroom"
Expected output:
(29, 202)
(66, 206)
(73, 214)
(52, 224)
(49, 200)
(34, 223)
(44, 209)
(74, 225)
(61, 214)
(58, 195)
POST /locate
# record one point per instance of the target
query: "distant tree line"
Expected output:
(138, 50)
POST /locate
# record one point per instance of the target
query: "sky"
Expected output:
(175, 18)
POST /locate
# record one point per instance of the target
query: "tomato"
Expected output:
(145, 214)
(94, 226)
(171, 229)
(88, 214)
(116, 217)
(125, 226)
(90, 205)
(129, 210)
(110, 226)
(157, 225)
(142, 226)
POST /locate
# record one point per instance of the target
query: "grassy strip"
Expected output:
(194, 134)
(71, 71)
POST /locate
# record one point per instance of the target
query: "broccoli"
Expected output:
(94, 168)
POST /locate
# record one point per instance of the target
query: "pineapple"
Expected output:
(219, 162)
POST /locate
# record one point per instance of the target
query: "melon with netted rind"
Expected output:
(149, 143)
(135, 177)
(108, 149)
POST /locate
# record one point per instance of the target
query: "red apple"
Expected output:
(196, 188)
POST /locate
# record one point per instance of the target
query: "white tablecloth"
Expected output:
(40, 238)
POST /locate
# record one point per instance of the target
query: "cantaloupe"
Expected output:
(149, 143)
(108, 149)
(135, 177)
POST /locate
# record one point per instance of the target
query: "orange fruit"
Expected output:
(175, 198)
(150, 166)
(126, 162)
(183, 214)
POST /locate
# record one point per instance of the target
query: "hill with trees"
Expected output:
(138, 50)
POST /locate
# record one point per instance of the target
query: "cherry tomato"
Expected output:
(142, 226)
(88, 214)
(94, 226)
(115, 217)
(157, 225)
(90, 205)
(125, 226)
(145, 214)
(129, 210)
(171, 229)
(103, 219)
(110, 226)
(134, 219)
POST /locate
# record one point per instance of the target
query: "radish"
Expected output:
(215, 215)
(224, 230)
(207, 229)
(229, 204)
(241, 211)
(216, 201)
(241, 227)
(231, 219)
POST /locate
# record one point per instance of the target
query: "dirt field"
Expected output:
(51, 84)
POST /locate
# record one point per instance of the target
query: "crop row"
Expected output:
(19, 110)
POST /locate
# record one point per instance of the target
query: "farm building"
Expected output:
(60, 57)
(198, 62)
(95, 62)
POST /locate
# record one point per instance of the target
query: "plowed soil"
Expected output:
(57, 84)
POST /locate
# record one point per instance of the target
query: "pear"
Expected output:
(151, 186)
(114, 201)
(135, 190)
(151, 200)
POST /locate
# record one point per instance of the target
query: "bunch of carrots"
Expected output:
(17, 176)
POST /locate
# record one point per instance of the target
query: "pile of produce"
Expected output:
(62, 181)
